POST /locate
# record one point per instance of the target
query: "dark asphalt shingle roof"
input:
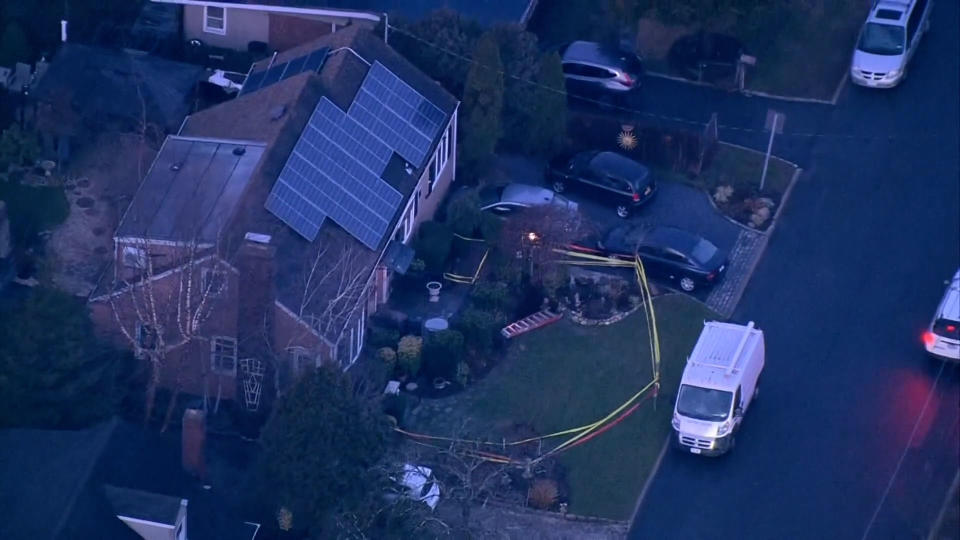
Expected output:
(191, 190)
(53, 483)
(137, 504)
(85, 83)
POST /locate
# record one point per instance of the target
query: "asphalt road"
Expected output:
(856, 432)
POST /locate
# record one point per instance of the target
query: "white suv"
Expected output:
(888, 40)
(942, 338)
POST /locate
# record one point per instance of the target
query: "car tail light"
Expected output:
(625, 79)
(929, 338)
(711, 275)
(636, 196)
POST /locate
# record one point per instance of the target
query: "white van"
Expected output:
(942, 338)
(719, 383)
(888, 40)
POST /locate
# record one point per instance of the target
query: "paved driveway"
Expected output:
(675, 205)
(856, 435)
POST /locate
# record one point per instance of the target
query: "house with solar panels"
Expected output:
(298, 200)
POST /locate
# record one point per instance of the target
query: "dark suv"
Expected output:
(619, 180)
(594, 71)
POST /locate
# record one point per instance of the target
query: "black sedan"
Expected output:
(619, 180)
(666, 252)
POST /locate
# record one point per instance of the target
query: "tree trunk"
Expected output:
(170, 408)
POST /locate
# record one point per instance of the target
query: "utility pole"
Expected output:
(775, 125)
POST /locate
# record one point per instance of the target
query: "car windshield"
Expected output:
(882, 39)
(704, 403)
(703, 251)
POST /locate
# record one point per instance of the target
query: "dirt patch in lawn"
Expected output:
(104, 176)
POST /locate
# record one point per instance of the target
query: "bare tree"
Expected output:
(330, 286)
(159, 308)
(533, 234)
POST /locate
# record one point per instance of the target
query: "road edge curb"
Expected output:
(649, 481)
(840, 87)
(783, 201)
(746, 92)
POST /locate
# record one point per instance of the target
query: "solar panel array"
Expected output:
(278, 72)
(336, 166)
(397, 113)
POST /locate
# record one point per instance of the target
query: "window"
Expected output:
(147, 337)
(134, 257)
(223, 355)
(674, 256)
(882, 39)
(410, 218)
(439, 160)
(913, 23)
(583, 70)
(213, 282)
(214, 20)
(300, 360)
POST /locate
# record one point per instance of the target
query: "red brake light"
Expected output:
(929, 338)
(636, 196)
(711, 275)
(625, 79)
(951, 328)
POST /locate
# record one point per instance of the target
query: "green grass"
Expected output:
(32, 209)
(809, 54)
(565, 375)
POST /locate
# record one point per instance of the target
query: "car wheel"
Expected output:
(623, 211)
(559, 186)
(687, 284)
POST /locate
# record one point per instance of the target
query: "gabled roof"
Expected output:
(55, 483)
(143, 505)
(94, 83)
(276, 115)
(191, 190)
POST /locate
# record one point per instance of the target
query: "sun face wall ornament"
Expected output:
(627, 140)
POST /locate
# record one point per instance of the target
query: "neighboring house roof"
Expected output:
(486, 12)
(277, 115)
(143, 505)
(91, 84)
(56, 483)
(191, 190)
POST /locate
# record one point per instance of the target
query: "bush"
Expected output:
(463, 373)
(388, 356)
(380, 337)
(543, 493)
(395, 405)
(463, 214)
(493, 296)
(433, 245)
(480, 328)
(442, 352)
(506, 268)
(408, 354)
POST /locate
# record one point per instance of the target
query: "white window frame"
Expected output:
(218, 356)
(134, 257)
(440, 158)
(297, 355)
(222, 18)
(205, 272)
(411, 217)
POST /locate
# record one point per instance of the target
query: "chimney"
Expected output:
(255, 262)
(194, 442)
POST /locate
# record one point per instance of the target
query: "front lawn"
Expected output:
(565, 375)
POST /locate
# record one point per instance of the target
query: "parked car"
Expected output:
(419, 484)
(942, 338)
(507, 199)
(592, 70)
(888, 40)
(706, 56)
(720, 381)
(619, 180)
(666, 252)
